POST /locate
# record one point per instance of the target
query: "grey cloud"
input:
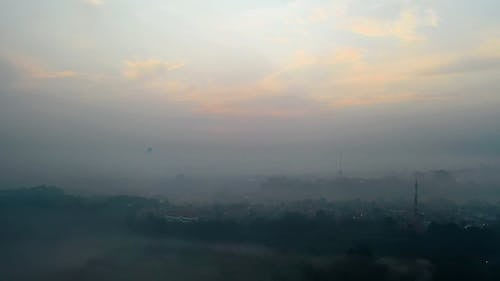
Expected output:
(8, 74)
(466, 65)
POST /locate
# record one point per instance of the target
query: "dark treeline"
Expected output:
(46, 234)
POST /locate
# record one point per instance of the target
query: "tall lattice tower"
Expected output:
(415, 200)
(340, 172)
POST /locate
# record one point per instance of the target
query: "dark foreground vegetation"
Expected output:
(46, 234)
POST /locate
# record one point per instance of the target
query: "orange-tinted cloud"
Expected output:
(404, 28)
(368, 100)
(148, 68)
(37, 71)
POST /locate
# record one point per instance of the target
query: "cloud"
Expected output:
(339, 78)
(431, 18)
(346, 55)
(484, 58)
(8, 73)
(54, 74)
(405, 27)
(278, 106)
(94, 2)
(303, 84)
(369, 100)
(301, 59)
(350, 76)
(37, 71)
(21, 76)
(25, 73)
(231, 98)
(465, 65)
(491, 44)
(148, 68)
(225, 93)
(306, 83)
(318, 15)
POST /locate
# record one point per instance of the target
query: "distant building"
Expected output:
(180, 219)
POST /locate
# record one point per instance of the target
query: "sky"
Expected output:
(242, 87)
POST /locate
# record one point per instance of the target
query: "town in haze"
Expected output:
(270, 140)
(433, 226)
